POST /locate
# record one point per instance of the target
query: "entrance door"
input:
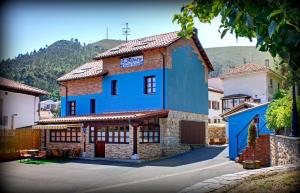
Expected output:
(100, 134)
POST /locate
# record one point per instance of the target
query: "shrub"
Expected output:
(279, 113)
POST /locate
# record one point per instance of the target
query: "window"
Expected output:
(72, 107)
(72, 135)
(278, 86)
(150, 85)
(209, 104)
(118, 134)
(92, 134)
(271, 83)
(215, 105)
(208, 120)
(113, 87)
(150, 132)
(93, 105)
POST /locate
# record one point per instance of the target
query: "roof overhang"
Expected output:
(138, 115)
(56, 126)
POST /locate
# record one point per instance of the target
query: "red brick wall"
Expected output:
(152, 60)
(82, 86)
(261, 151)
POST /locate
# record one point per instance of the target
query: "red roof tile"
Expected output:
(247, 68)
(152, 42)
(10, 85)
(106, 117)
(90, 69)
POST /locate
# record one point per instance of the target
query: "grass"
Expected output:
(280, 183)
(41, 161)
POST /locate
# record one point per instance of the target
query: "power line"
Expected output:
(126, 31)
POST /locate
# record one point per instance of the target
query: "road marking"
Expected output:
(155, 178)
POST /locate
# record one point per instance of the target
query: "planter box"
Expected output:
(250, 164)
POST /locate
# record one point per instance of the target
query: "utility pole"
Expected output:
(107, 33)
(126, 30)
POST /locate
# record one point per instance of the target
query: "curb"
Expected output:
(231, 180)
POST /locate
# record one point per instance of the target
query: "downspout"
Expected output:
(163, 81)
(66, 97)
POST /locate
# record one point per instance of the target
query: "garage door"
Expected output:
(192, 132)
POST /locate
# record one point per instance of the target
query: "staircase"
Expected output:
(261, 151)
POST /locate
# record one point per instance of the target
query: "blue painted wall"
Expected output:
(130, 95)
(237, 122)
(186, 89)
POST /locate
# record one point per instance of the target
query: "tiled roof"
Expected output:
(247, 68)
(240, 107)
(90, 69)
(151, 42)
(215, 90)
(107, 117)
(10, 85)
(236, 96)
(156, 41)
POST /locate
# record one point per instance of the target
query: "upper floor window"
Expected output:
(271, 83)
(114, 87)
(215, 105)
(72, 107)
(150, 85)
(209, 104)
(93, 105)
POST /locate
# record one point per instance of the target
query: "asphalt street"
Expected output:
(167, 175)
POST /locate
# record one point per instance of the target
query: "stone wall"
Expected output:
(118, 151)
(217, 134)
(148, 151)
(170, 131)
(284, 150)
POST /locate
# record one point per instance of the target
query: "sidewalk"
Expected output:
(229, 180)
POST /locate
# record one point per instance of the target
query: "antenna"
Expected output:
(126, 31)
(107, 33)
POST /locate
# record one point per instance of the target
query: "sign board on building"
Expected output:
(132, 61)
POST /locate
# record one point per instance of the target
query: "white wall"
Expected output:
(25, 106)
(212, 113)
(216, 83)
(272, 90)
(254, 84)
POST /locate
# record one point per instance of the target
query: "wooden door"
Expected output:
(192, 132)
(100, 138)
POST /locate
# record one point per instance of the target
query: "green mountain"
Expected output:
(41, 68)
(224, 58)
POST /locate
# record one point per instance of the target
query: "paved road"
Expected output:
(168, 175)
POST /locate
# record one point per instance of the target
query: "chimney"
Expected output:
(267, 63)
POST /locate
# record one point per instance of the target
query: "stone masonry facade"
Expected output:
(169, 140)
(284, 150)
(170, 131)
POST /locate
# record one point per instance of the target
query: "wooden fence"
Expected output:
(11, 141)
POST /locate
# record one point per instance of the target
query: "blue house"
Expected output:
(143, 99)
(238, 123)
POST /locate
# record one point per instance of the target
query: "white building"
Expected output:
(214, 105)
(19, 104)
(49, 105)
(249, 82)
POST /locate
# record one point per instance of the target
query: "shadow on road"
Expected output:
(196, 155)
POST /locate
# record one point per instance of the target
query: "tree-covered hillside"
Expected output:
(41, 68)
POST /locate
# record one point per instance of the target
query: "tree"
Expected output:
(275, 24)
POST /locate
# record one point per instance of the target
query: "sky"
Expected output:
(26, 26)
